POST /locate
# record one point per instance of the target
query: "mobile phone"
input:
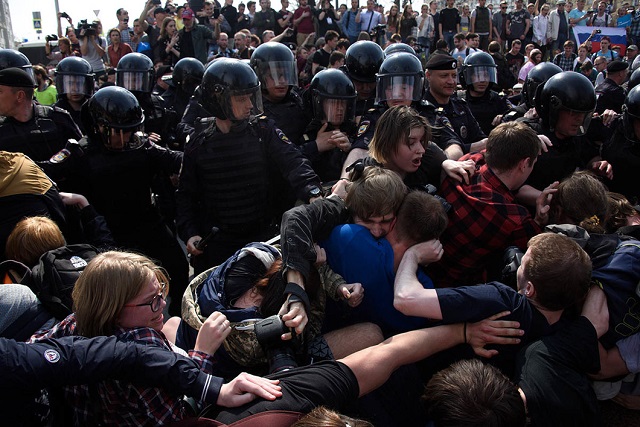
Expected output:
(131, 33)
(156, 1)
(598, 31)
(216, 13)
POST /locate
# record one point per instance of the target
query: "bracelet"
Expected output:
(464, 332)
(297, 294)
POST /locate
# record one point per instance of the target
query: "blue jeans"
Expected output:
(448, 37)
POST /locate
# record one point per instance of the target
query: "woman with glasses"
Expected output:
(123, 294)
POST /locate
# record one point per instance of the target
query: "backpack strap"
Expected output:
(27, 323)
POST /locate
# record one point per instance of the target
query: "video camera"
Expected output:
(89, 29)
(279, 353)
(51, 38)
(378, 30)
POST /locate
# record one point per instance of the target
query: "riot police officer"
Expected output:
(10, 58)
(398, 47)
(135, 73)
(361, 63)
(452, 112)
(610, 96)
(38, 131)
(536, 76)
(275, 66)
(75, 83)
(333, 97)
(113, 166)
(478, 77)
(622, 151)
(226, 176)
(187, 75)
(565, 104)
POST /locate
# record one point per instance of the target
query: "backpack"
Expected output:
(52, 280)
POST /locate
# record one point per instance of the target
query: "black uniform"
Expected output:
(515, 113)
(457, 116)
(328, 164)
(610, 96)
(226, 181)
(486, 107)
(289, 115)
(64, 104)
(41, 137)
(117, 183)
(624, 156)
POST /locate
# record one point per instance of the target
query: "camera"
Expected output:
(89, 29)
(51, 38)
(216, 13)
(377, 30)
(64, 15)
(590, 11)
(279, 353)
(598, 31)
(512, 259)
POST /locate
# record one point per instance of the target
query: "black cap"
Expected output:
(441, 62)
(158, 10)
(15, 77)
(616, 65)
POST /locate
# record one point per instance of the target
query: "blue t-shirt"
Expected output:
(357, 256)
(623, 21)
(576, 14)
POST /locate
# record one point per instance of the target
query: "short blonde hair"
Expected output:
(31, 238)
(109, 281)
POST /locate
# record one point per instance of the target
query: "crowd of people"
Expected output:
(405, 221)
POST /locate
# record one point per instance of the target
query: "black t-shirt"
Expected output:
(321, 57)
(328, 383)
(552, 374)
(449, 18)
(186, 45)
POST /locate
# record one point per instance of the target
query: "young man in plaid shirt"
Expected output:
(486, 219)
(565, 59)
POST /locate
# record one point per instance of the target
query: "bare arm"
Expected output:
(473, 24)
(410, 297)
(143, 16)
(353, 156)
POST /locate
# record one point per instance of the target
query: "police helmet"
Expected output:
(538, 74)
(275, 65)
(397, 48)
(74, 75)
(567, 90)
(110, 110)
(631, 112)
(10, 58)
(226, 85)
(135, 73)
(634, 80)
(363, 60)
(187, 74)
(333, 97)
(478, 67)
(400, 78)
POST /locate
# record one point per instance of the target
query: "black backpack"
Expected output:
(52, 280)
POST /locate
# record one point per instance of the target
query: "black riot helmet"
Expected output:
(363, 60)
(187, 75)
(398, 47)
(400, 77)
(631, 112)
(538, 74)
(230, 90)
(110, 110)
(10, 58)
(479, 67)
(567, 90)
(275, 65)
(333, 97)
(74, 75)
(135, 73)
(634, 80)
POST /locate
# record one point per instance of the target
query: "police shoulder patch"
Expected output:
(282, 136)
(51, 356)
(364, 125)
(60, 156)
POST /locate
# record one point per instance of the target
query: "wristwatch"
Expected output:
(315, 192)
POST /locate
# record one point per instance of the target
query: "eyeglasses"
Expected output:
(155, 303)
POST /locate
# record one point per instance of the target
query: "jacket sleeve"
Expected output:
(187, 195)
(95, 229)
(305, 224)
(76, 360)
(293, 166)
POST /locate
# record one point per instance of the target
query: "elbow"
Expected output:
(405, 303)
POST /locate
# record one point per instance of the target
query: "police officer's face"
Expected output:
(241, 106)
(442, 83)
(399, 94)
(8, 100)
(118, 138)
(408, 157)
(569, 123)
(365, 90)
(276, 85)
(335, 110)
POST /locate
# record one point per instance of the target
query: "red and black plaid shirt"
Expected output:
(118, 402)
(483, 222)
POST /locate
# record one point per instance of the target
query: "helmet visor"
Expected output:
(136, 81)
(401, 88)
(124, 139)
(75, 85)
(336, 111)
(480, 74)
(570, 122)
(244, 104)
(278, 74)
